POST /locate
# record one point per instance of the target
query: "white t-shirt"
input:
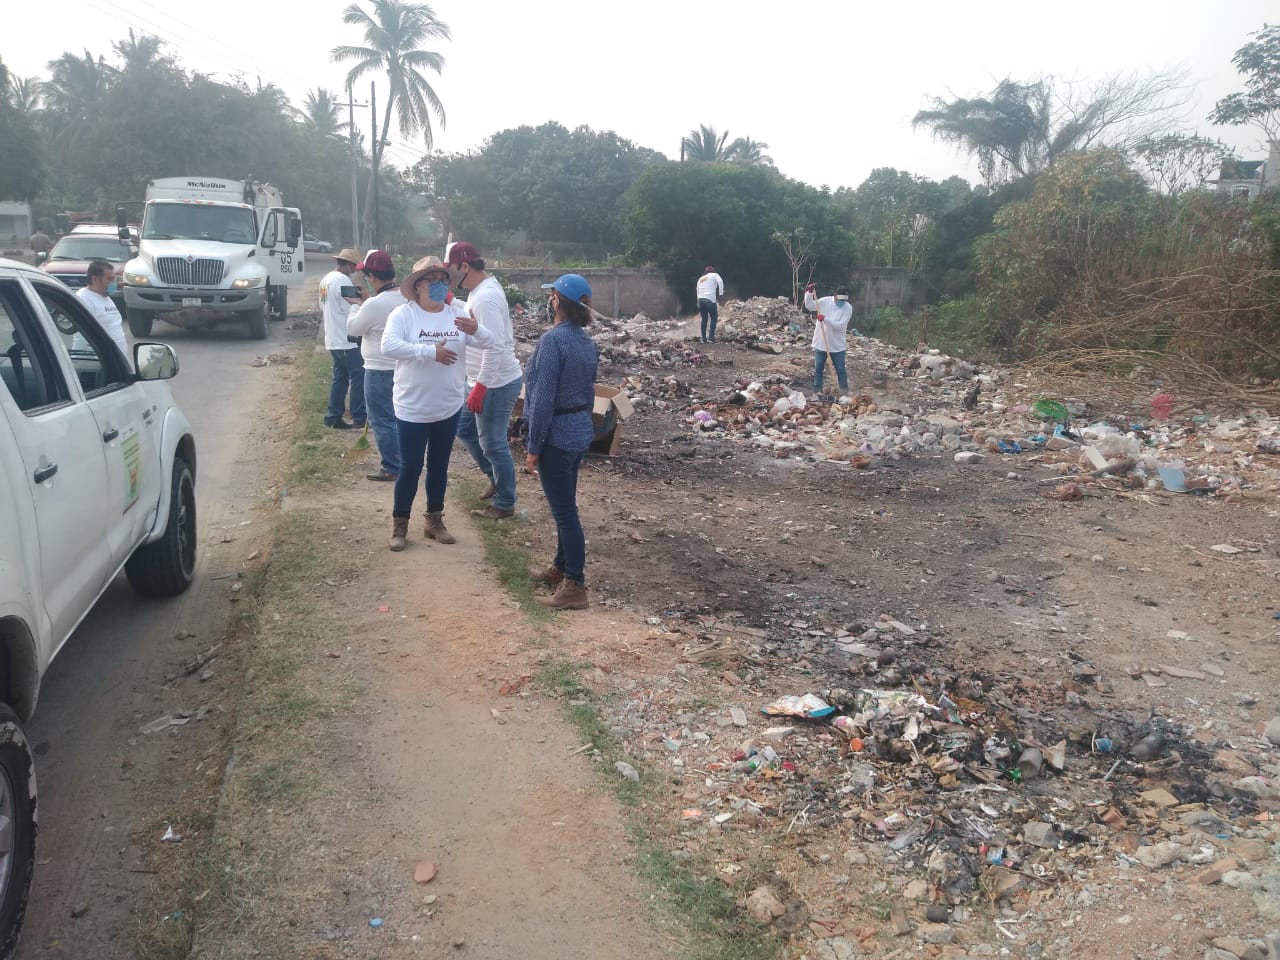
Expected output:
(334, 310)
(498, 365)
(710, 286)
(836, 314)
(104, 310)
(369, 320)
(426, 390)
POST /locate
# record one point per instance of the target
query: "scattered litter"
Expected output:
(170, 836)
(807, 705)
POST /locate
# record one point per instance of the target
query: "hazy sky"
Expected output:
(831, 87)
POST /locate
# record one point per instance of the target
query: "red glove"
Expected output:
(475, 402)
(821, 318)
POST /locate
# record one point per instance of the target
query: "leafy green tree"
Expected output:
(1259, 102)
(1176, 162)
(140, 51)
(1082, 228)
(681, 216)
(21, 166)
(1023, 128)
(548, 182)
(394, 36)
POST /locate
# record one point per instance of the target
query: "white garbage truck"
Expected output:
(211, 251)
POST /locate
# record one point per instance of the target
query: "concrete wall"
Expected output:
(615, 291)
(886, 287)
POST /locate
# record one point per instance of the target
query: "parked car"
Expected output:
(312, 244)
(97, 473)
(70, 256)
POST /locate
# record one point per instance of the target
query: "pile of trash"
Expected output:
(972, 788)
(773, 324)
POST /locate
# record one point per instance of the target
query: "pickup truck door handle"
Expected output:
(110, 435)
(44, 473)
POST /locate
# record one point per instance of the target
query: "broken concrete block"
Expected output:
(969, 456)
(1039, 834)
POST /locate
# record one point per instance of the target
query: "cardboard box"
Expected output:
(612, 406)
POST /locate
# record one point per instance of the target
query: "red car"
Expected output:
(70, 256)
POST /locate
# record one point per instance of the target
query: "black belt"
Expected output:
(580, 408)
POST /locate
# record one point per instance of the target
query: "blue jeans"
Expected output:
(382, 417)
(419, 442)
(348, 375)
(710, 312)
(485, 437)
(558, 471)
(819, 364)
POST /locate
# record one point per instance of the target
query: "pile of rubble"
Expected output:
(959, 790)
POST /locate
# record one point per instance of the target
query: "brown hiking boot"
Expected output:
(552, 576)
(399, 533)
(436, 530)
(489, 491)
(571, 596)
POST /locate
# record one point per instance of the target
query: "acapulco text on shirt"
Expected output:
(437, 335)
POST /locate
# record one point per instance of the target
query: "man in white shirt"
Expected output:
(495, 377)
(829, 336)
(710, 290)
(101, 275)
(348, 365)
(368, 321)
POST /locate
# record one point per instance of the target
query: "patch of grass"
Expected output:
(504, 548)
(274, 784)
(317, 453)
(701, 904)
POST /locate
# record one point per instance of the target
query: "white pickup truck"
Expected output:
(97, 472)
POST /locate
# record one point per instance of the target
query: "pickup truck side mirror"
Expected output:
(122, 224)
(155, 361)
(41, 257)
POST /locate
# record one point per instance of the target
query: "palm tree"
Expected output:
(75, 92)
(139, 51)
(319, 114)
(706, 145)
(25, 93)
(749, 152)
(393, 37)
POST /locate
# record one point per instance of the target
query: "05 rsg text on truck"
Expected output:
(97, 473)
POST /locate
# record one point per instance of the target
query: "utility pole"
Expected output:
(355, 168)
(377, 156)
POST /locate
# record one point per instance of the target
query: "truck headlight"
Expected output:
(137, 279)
(246, 283)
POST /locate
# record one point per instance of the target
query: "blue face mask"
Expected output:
(438, 291)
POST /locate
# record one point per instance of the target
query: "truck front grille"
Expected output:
(180, 272)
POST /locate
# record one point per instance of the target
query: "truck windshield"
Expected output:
(89, 248)
(188, 221)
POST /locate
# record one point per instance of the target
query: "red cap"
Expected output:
(462, 252)
(378, 261)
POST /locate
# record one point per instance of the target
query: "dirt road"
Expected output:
(100, 777)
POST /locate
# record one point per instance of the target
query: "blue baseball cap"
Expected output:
(571, 286)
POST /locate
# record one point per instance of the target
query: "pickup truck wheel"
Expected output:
(257, 320)
(17, 828)
(167, 567)
(140, 326)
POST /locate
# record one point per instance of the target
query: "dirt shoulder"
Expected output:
(374, 737)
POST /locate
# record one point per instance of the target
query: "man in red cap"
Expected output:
(368, 320)
(710, 290)
(495, 378)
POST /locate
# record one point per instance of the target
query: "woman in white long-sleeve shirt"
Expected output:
(830, 334)
(428, 340)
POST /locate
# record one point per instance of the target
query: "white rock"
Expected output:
(969, 456)
(1160, 854)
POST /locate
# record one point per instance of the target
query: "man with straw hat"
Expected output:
(348, 366)
(428, 339)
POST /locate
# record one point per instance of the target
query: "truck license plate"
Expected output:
(191, 301)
